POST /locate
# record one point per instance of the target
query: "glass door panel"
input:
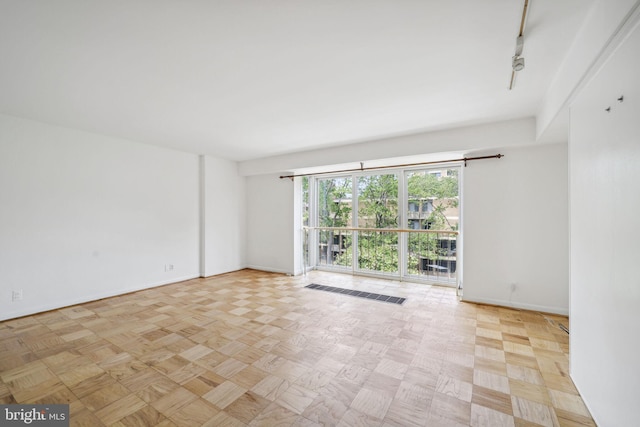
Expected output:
(378, 209)
(335, 210)
(432, 215)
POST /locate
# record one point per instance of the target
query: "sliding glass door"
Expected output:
(403, 223)
(334, 217)
(432, 216)
(377, 224)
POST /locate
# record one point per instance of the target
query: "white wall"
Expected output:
(600, 31)
(516, 229)
(84, 216)
(223, 217)
(605, 232)
(270, 224)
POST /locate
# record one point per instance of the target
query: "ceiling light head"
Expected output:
(517, 63)
(519, 45)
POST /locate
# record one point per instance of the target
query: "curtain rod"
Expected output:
(362, 168)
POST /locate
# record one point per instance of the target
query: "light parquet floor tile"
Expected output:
(251, 348)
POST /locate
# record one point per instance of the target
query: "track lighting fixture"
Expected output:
(517, 63)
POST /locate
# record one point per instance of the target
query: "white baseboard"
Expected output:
(586, 403)
(48, 306)
(221, 272)
(519, 305)
(270, 269)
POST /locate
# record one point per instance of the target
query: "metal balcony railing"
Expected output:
(418, 254)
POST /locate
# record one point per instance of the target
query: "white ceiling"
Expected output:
(242, 79)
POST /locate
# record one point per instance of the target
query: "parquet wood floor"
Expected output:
(254, 348)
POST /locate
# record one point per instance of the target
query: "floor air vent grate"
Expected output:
(360, 294)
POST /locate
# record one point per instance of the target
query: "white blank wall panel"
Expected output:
(605, 231)
(515, 214)
(270, 223)
(83, 216)
(224, 216)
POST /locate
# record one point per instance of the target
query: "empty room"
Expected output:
(319, 213)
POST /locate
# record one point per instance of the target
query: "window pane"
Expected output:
(432, 202)
(334, 202)
(334, 210)
(305, 201)
(335, 248)
(378, 251)
(378, 208)
(378, 201)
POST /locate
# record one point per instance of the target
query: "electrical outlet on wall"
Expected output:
(168, 267)
(16, 295)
